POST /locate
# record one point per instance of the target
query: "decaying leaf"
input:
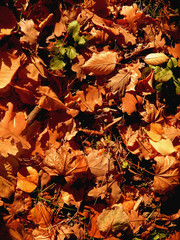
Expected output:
(156, 58)
(27, 179)
(114, 219)
(166, 174)
(101, 63)
(129, 102)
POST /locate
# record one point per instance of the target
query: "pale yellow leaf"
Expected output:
(156, 58)
(164, 146)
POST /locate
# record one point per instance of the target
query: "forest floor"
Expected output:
(89, 119)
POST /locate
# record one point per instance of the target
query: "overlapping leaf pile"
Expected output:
(89, 120)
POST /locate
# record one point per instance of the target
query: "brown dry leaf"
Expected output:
(8, 171)
(135, 221)
(77, 67)
(132, 17)
(11, 128)
(30, 33)
(41, 233)
(65, 161)
(156, 58)
(7, 21)
(49, 100)
(166, 174)
(129, 102)
(175, 52)
(171, 132)
(151, 113)
(64, 232)
(119, 82)
(101, 63)
(114, 219)
(164, 146)
(92, 227)
(144, 86)
(154, 131)
(99, 163)
(41, 215)
(89, 98)
(27, 179)
(9, 64)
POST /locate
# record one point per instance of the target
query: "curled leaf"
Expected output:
(156, 58)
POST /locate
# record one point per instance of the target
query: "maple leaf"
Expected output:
(30, 33)
(101, 63)
(11, 128)
(166, 174)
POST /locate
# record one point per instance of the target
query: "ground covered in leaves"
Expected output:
(89, 119)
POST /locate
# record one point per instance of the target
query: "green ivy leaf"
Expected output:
(73, 28)
(71, 52)
(164, 75)
(172, 63)
(56, 63)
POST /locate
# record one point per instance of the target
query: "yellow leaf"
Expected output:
(27, 179)
(156, 58)
(164, 146)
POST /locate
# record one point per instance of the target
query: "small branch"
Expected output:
(33, 114)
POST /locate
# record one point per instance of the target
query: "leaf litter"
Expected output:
(89, 120)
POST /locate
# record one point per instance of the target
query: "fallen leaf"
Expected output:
(114, 219)
(101, 63)
(49, 100)
(27, 179)
(9, 64)
(41, 215)
(11, 128)
(129, 102)
(164, 146)
(156, 58)
(166, 174)
(8, 170)
(7, 21)
(154, 131)
(119, 82)
(136, 221)
(99, 164)
(30, 33)
(89, 98)
(144, 86)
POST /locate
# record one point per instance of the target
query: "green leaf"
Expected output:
(59, 43)
(177, 84)
(71, 52)
(159, 87)
(56, 63)
(172, 63)
(164, 75)
(80, 40)
(73, 28)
